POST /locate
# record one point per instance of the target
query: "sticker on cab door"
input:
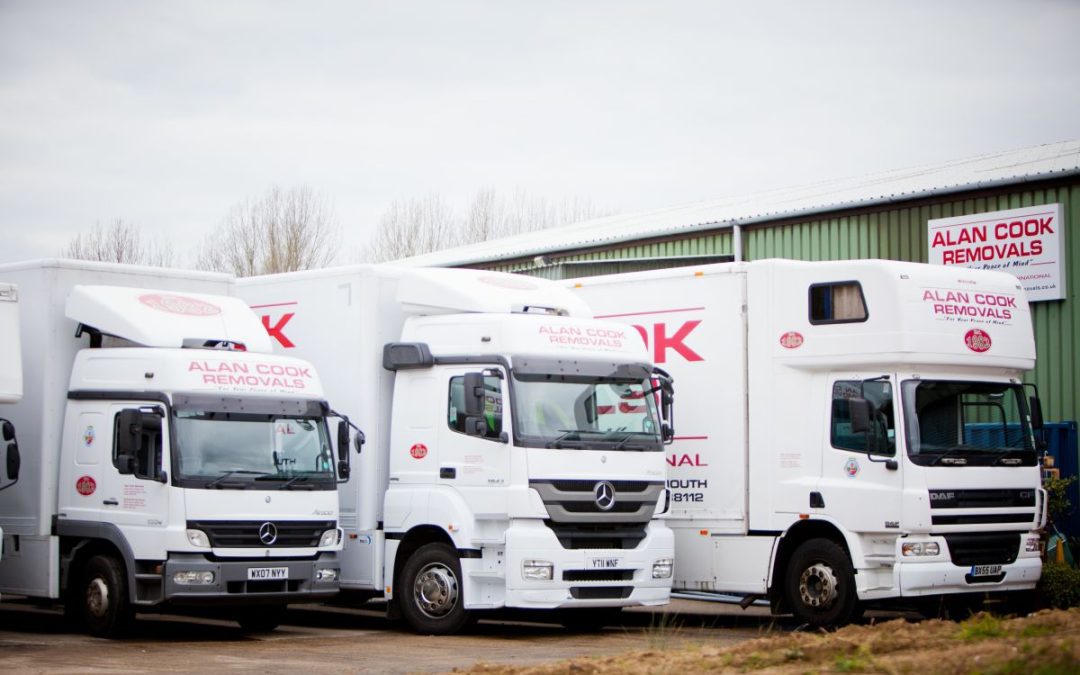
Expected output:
(851, 467)
(88, 436)
(85, 485)
(791, 340)
(418, 451)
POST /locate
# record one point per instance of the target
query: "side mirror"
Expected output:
(8, 430)
(359, 440)
(859, 409)
(128, 439)
(343, 449)
(1037, 423)
(475, 425)
(474, 394)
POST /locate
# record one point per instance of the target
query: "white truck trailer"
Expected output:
(515, 453)
(168, 457)
(10, 387)
(849, 431)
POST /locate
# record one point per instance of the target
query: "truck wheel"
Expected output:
(820, 584)
(101, 596)
(260, 618)
(430, 593)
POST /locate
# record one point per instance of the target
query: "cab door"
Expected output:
(861, 474)
(473, 440)
(134, 491)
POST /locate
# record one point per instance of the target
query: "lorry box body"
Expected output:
(10, 352)
(228, 496)
(938, 493)
(515, 498)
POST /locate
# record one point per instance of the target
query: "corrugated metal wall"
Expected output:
(897, 233)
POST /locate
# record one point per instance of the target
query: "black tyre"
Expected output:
(99, 598)
(429, 591)
(820, 584)
(260, 618)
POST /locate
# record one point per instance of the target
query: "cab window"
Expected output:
(493, 406)
(880, 438)
(841, 302)
(148, 452)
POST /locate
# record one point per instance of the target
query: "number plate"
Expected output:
(985, 570)
(603, 563)
(267, 573)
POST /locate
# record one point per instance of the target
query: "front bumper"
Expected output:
(586, 577)
(231, 583)
(938, 578)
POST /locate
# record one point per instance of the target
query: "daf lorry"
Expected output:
(514, 451)
(850, 431)
(168, 457)
(10, 386)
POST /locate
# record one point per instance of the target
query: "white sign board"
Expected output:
(1024, 242)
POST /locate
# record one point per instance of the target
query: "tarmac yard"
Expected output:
(325, 638)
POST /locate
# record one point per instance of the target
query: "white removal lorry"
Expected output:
(849, 431)
(168, 457)
(514, 451)
(10, 387)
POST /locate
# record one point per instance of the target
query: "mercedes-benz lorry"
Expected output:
(168, 457)
(850, 431)
(514, 453)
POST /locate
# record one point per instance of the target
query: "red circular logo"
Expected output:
(178, 304)
(85, 485)
(418, 451)
(791, 340)
(977, 340)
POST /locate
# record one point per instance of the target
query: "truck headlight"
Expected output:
(198, 538)
(661, 569)
(329, 538)
(193, 578)
(537, 570)
(326, 575)
(1032, 544)
(920, 548)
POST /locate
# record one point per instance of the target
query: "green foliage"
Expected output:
(981, 627)
(1057, 497)
(1059, 586)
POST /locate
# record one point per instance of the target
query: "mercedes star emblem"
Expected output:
(604, 492)
(268, 533)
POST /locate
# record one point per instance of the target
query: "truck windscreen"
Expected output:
(585, 412)
(951, 423)
(219, 447)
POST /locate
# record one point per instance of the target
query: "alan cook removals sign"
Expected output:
(1024, 242)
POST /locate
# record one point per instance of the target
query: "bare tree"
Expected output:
(284, 231)
(414, 227)
(122, 243)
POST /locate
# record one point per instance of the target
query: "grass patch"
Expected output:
(982, 626)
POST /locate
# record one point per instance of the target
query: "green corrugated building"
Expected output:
(884, 215)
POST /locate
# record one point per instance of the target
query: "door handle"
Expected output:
(111, 502)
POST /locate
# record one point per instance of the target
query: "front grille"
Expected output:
(245, 533)
(981, 499)
(591, 507)
(588, 485)
(983, 519)
(983, 549)
(601, 592)
(598, 575)
(593, 536)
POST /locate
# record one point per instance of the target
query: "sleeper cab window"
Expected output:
(839, 302)
(492, 416)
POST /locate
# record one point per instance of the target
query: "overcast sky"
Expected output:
(166, 114)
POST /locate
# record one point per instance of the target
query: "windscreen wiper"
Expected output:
(947, 457)
(220, 479)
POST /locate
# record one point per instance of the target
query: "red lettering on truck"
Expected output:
(277, 330)
(677, 342)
